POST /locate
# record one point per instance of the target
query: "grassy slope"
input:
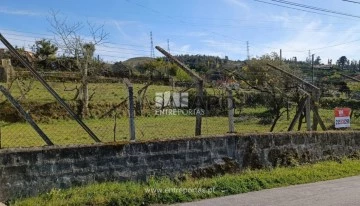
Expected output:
(162, 190)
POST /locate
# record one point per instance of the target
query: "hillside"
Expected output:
(200, 63)
(134, 62)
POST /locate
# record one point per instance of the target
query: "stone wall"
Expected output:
(27, 172)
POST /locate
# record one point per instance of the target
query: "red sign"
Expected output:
(342, 117)
(342, 112)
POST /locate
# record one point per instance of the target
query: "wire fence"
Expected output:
(109, 113)
(161, 112)
(35, 112)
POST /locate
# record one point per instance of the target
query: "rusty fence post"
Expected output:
(131, 109)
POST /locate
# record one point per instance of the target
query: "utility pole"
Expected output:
(152, 52)
(280, 55)
(312, 67)
(168, 45)
(248, 50)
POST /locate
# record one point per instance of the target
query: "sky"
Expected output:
(206, 27)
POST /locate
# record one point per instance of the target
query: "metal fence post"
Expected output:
(131, 109)
(230, 110)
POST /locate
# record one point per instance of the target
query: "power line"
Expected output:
(144, 50)
(356, 2)
(46, 36)
(279, 5)
(104, 50)
(179, 20)
(315, 8)
(284, 2)
(103, 45)
(122, 48)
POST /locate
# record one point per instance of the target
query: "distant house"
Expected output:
(30, 56)
(323, 67)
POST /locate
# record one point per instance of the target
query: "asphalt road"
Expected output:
(344, 191)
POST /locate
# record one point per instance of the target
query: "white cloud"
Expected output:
(119, 26)
(238, 3)
(11, 11)
(19, 39)
(117, 52)
(185, 48)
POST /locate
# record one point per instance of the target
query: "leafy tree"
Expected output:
(226, 59)
(354, 65)
(202, 63)
(317, 61)
(45, 49)
(159, 66)
(45, 52)
(342, 61)
(119, 69)
(182, 76)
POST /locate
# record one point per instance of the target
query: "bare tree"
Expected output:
(73, 44)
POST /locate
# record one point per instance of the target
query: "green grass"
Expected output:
(66, 132)
(147, 128)
(166, 191)
(103, 92)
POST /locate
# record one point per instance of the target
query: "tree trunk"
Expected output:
(85, 96)
(274, 123)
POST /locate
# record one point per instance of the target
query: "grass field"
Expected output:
(152, 192)
(104, 92)
(65, 132)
